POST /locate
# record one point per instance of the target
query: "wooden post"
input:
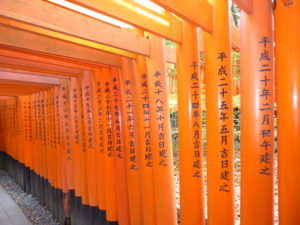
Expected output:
(120, 159)
(58, 146)
(83, 151)
(76, 133)
(287, 52)
(219, 118)
(190, 128)
(66, 126)
(146, 155)
(160, 127)
(128, 109)
(109, 163)
(99, 132)
(257, 115)
(89, 137)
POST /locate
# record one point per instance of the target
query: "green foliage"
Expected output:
(235, 12)
(170, 43)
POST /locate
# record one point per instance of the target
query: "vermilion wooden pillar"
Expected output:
(130, 134)
(110, 176)
(119, 153)
(66, 126)
(76, 133)
(219, 118)
(190, 128)
(287, 52)
(146, 154)
(82, 153)
(89, 136)
(257, 114)
(100, 138)
(161, 129)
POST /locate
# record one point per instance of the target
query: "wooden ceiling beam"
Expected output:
(19, 78)
(137, 15)
(22, 88)
(28, 65)
(53, 21)
(26, 40)
(28, 71)
(199, 12)
(10, 94)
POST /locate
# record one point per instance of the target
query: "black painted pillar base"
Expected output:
(51, 197)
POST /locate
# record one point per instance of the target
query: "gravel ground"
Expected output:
(36, 214)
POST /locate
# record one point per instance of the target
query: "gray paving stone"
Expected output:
(10, 213)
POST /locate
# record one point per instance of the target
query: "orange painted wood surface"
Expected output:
(128, 108)
(287, 53)
(190, 128)
(162, 149)
(257, 115)
(219, 119)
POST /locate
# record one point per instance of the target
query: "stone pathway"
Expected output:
(10, 213)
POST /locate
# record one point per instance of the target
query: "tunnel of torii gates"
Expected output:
(84, 111)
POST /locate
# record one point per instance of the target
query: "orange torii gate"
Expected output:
(86, 118)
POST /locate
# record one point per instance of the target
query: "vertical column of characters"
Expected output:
(118, 144)
(14, 128)
(257, 115)
(51, 136)
(15, 133)
(165, 204)
(67, 134)
(26, 130)
(89, 137)
(42, 149)
(20, 130)
(219, 118)
(109, 162)
(5, 130)
(64, 146)
(5, 118)
(75, 121)
(34, 132)
(99, 134)
(13, 142)
(83, 152)
(58, 141)
(17, 130)
(24, 121)
(39, 135)
(47, 133)
(128, 111)
(146, 155)
(30, 130)
(266, 107)
(8, 125)
(43, 135)
(190, 128)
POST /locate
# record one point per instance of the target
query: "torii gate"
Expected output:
(90, 72)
